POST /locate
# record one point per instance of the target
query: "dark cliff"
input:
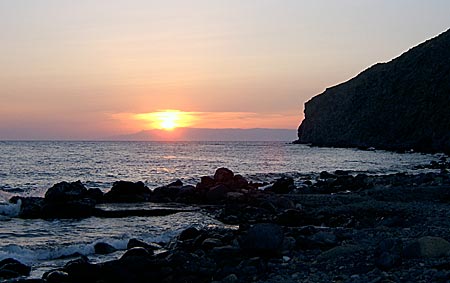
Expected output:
(400, 105)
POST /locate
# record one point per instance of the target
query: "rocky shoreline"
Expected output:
(337, 227)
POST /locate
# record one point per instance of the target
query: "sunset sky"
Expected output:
(90, 69)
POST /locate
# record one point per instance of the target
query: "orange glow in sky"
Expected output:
(166, 119)
(74, 71)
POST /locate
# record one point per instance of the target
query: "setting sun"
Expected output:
(167, 119)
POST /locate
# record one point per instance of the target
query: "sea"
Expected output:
(29, 168)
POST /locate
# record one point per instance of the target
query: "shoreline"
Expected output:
(339, 228)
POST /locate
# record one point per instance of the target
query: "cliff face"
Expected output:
(400, 105)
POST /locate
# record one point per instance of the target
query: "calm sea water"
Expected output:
(30, 168)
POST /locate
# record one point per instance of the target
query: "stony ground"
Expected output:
(334, 228)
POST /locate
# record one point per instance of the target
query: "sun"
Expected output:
(167, 120)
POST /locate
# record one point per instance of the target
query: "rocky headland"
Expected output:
(332, 227)
(399, 105)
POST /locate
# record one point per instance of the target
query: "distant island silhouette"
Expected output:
(203, 134)
(400, 105)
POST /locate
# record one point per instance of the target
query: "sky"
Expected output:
(90, 69)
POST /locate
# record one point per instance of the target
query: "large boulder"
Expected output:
(11, 268)
(63, 200)
(398, 105)
(427, 247)
(124, 191)
(283, 185)
(30, 207)
(223, 175)
(65, 191)
(217, 193)
(263, 239)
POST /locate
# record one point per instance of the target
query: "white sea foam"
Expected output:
(10, 209)
(51, 252)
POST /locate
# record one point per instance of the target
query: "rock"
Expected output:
(217, 193)
(263, 239)
(80, 270)
(206, 182)
(95, 194)
(225, 251)
(291, 217)
(232, 278)
(427, 247)
(325, 175)
(289, 244)
(399, 105)
(338, 252)
(124, 191)
(235, 196)
(7, 274)
(133, 243)
(57, 276)
(30, 208)
(64, 191)
(187, 194)
(210, 243)
(283, 185)
(239, 182)
(189, 233)
(285, 203)
(177, 184)
(388, 254)
(224, 176)
(136, 252)
(70, 209)
(11, 268)
(323, 240)
(104, 248)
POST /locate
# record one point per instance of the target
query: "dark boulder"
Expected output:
(104, 248)
(263, 239)
(188, 234)
(223, 175)
(81, 270)
(95, 194)
(136, 252)
(57, 276)
(65, 191)
(427, 247)
(283, 185)
(124, 191)
(11, 268)
(134, 243)
(388, 253)
(30, 208)
(206, 182)
(167, 193)
(239, 182)
(217, 193)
